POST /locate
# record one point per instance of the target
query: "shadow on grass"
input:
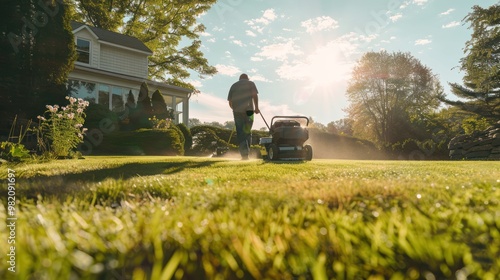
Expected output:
(129, 170)
(76, 183)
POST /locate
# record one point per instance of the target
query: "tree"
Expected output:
(159, 106)
(139, 117)
(342, 127)
(194, 122)
(389, 94)
(36, 55)
(130, 100)
(161, 25)
(481, 64)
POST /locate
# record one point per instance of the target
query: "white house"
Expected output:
(110, 65)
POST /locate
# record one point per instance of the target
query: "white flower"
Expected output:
(41, 118)
(72, 100)
(84, 129)
(71, 116)
(59, 115)
(78, 125)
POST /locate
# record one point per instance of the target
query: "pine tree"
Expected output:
(160, 109)
(143, 111)
(480, 93)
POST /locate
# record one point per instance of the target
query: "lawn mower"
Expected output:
(287, 138)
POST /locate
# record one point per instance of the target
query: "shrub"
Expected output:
(13, 151)
(159, 123)
(188, 138)
(96, 113)
(142, 142)
(206, 138)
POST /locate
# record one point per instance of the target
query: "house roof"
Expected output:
(113, 37)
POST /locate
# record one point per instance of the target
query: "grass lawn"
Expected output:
(207, 218)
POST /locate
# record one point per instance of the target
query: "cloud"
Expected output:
(449, 11)
(268, 16)
(196, 83)
(259, 78)
(278, 51)
(420, 2)
(396, 17)
(208, 108)
(250, 33)
(268, 111)
(205, 34)
(238, 42)
(319, 24)
(451, 24)
(422, 42)
(258, 24)
(227, 70)
(404, 5)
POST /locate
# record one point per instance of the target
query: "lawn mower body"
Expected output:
(286, 140)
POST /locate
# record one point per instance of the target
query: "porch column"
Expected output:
(185, 110)
(174, 107)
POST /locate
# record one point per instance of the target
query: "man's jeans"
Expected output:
(243, 122)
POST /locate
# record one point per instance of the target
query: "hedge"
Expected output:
(140, 142)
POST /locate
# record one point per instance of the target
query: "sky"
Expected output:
(300, 53)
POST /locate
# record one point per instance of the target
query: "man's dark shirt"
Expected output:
(240, 94)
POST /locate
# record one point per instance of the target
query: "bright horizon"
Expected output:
(300, 57)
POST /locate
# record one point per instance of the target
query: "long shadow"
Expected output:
(125, 171)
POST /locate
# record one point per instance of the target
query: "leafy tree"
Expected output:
(342, 127)
(194, 122)
(161, 25)
(229, 125)
(36, 54)
(389, 94)
(481, 64)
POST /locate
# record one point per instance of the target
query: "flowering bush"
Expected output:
(63, 126)
(160, 123)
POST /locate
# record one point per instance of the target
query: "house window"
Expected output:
(83, 50)
(82, 89)
(104, 96)
(117, 101)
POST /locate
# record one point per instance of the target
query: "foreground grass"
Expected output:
(196, 218)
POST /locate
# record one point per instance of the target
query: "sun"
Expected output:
(328, 66)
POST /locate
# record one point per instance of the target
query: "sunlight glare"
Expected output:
(328, 66)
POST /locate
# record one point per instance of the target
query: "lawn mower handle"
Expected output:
(264, 121)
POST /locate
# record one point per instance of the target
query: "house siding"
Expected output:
(123, 61)
(95, 47)
(118, 67)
